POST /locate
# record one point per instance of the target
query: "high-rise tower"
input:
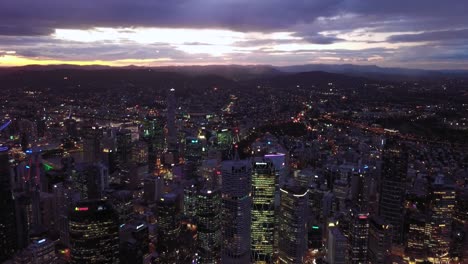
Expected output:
(7, 212)
(236, 218)
(293, 224)
(94, 233)
(264, 182)
(171, 130)
(393, 187)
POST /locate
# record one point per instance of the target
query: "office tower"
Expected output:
(337, 247)
(264, 183)
(134, 238)
(140, 153)
(190, 200)
(340, 191)
(442, 209)
(40, 251)
(70, 126)
(193, 150)
(380, 241)
(236, 217)
(314, 237)
(360, 189)
(96, 177)
(208, 215)
(292, 224)
(168, 216)
(393, 187)
(94, 233)
(224, 139)
(124, 145)
(358, 237)
(7, 212)
(416, 247)
(152, 132)
(171, 129)
(91, 143)
(153, 188)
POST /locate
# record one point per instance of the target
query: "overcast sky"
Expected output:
(429, 34)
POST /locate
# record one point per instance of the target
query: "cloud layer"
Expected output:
(417, 33)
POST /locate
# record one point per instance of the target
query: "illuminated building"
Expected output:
(393, 187)
(442, 210)
(124, 145)
(134, 239)
(224, 139)
(152, 132)
(140, 153)
(190, 200)
(168, 215)
(92, 143)
(264, 183)
(41, 251)
(416, 248)
(358, 238)
(7, 205)
(380, 241)
(236, 217)
(292, 224)
(94, 233)
(337, 247)
(193, 150)
(171, 129)
(153, 188)
(208, 215)
(314, 237)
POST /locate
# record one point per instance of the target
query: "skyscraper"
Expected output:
(393, 187)
(208, 214)
(380, 241)
(293, 224)
(264, 182)
(7, 212)
(337, 247)
(94, 233)
(359, 237)
(442, 209)
(236, 214)
(168, 227)
(171, 130)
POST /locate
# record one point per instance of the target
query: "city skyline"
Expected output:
(416, 34)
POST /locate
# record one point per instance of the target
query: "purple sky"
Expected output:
(411, 33)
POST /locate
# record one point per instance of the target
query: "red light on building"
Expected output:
(363, 217)
(81, 208)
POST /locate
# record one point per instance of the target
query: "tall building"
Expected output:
(416, 248)
(94, 233)
(124, 145)
(41, 251)
(193, 150)
(7, 213)
(337, 247)
(134, 242)
(236, 210)
(208, 215)
(380, 241)
(442, 211)
(264, 182)
(171, 129)
(293, 224)
(358, 238)
(168, 216)
(393, 187)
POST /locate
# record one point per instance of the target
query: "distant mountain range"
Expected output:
(247, 72)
